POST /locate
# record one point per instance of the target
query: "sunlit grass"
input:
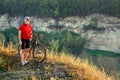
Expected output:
(32, 77)
(8, 51)
(5, 60)
(83, 68)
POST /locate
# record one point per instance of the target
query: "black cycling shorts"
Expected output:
(25, 43)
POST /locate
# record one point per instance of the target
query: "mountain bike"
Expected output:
(37, 49)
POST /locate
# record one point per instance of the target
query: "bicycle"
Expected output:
(37, 48)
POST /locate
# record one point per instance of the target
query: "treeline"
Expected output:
(59, 8)
(64, 41)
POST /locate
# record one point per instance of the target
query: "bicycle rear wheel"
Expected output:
(39, 53)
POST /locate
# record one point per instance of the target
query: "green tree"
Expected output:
(116, 7)
(59, 8)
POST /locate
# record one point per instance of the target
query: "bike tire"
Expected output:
(39, 53)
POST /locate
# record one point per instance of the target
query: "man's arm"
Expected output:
(19, 36)
(31, 36)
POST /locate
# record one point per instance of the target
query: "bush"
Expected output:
(11, 35)
(57, 41)
(64, 41)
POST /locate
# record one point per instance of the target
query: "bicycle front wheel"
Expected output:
(39, 53)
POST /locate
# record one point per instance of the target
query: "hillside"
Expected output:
(56, 67)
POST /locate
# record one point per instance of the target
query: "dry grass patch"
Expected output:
(82, 68)
(8, 51)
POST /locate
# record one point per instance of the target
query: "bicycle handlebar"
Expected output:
(37, 34)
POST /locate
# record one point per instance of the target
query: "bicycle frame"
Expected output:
(34, 42)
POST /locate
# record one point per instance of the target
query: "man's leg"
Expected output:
(27, 50)
(22, 52)
(26, 54)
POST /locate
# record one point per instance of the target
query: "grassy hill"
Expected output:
(56, 67)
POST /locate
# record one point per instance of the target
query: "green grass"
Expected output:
(102, 53)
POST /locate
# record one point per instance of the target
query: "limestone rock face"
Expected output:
(107, 39)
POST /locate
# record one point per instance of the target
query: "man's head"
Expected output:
(27, 20)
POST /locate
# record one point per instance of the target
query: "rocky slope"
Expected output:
(103, 35)
(34, 71)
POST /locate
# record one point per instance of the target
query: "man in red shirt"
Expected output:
(24, 35)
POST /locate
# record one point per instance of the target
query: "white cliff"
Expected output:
(108, 39)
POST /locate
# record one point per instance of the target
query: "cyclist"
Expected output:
(24, 36)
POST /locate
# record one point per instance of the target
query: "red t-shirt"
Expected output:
(26, 31)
